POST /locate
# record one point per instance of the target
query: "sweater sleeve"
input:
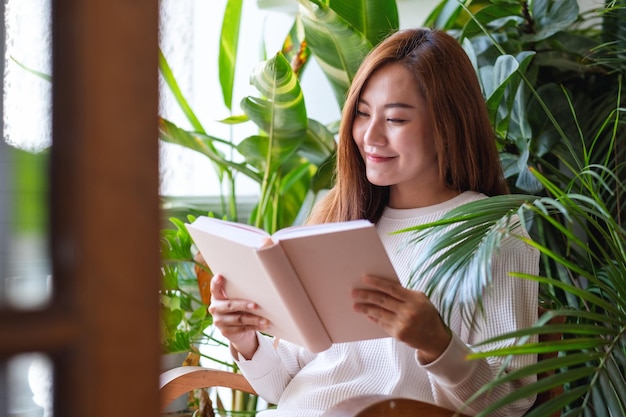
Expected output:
(509, 304)
(271, 368)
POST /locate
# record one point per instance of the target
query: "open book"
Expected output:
(301, 277)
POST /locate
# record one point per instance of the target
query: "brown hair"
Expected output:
(464, 138)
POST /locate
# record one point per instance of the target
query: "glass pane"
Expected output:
(24, 264)
(29, 386)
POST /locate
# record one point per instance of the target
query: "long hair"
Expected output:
(464, 139)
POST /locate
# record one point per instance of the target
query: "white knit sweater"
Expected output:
(303, 384)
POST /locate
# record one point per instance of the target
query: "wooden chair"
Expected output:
(180, 380)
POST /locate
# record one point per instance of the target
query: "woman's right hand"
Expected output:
(236, 319)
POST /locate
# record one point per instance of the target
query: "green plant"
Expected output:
(292, 155)
(291, 158)
(184, 314)
(558, 112)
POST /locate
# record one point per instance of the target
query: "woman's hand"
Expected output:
(407, 315)
(236, 319)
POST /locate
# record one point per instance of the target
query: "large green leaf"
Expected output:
(229, 40)
(319, 143)
(170, 80)
(281, 111)
(169, 132)
(375, 19)
(325, 175)
(280, 114)
(445, 14)
(338, 47)
(550, 17)
(292, 191)
(500, 80)
(256, 149)
(492, 16)
(208, 146)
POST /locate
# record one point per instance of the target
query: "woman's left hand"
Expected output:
(407, 315)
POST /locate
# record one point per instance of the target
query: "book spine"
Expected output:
(312, 333)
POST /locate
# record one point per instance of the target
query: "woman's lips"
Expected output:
(378, 158)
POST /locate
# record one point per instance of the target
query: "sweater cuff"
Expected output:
(264, 360)
(452, 367)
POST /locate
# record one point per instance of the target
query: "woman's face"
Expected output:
(393, 131)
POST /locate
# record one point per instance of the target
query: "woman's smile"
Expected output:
(376, 158)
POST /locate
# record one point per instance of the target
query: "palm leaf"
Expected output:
(463, 243)
(594, 332)
(568, 137)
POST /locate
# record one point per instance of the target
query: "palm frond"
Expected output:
(590, 361)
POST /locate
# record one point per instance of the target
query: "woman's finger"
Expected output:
(392, 288)
(229, 306)
(377, 298)
(241, 319)
(218, 292)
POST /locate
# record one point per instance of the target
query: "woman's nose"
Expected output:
(374, 134)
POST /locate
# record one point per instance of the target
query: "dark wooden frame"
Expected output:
(101, 327)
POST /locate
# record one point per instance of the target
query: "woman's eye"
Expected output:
(361, 113)
(393, 120)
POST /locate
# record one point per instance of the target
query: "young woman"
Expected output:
(414, 142)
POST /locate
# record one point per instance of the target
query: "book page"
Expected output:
(316, 229)
(265, 277)
(244, 234)
(330, 266)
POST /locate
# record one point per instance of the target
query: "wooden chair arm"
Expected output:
(183, 379)
(387, 406)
